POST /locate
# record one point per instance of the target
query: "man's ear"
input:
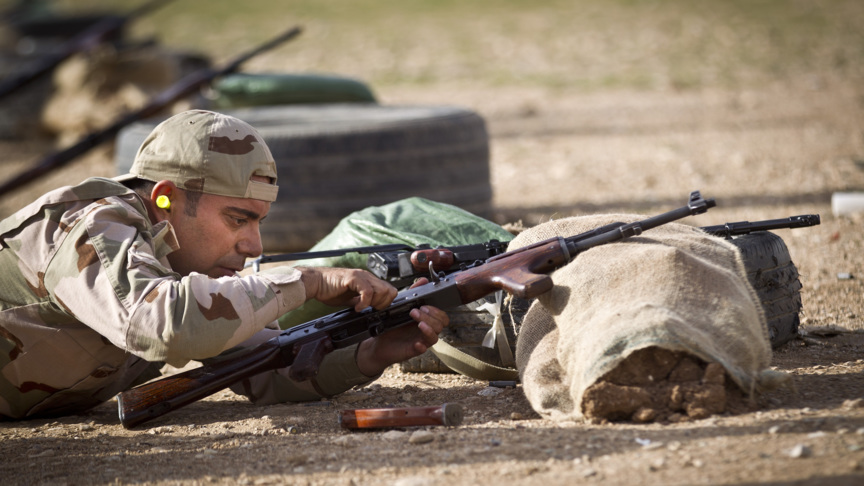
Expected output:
(163, 196)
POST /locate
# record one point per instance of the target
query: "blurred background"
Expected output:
(583, 45)
(590, 105)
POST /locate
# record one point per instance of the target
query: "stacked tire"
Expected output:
(775, 278)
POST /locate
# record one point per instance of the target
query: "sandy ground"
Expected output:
(767, 152)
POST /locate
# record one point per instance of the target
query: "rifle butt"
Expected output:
(156, 398)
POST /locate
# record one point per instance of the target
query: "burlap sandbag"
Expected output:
(673, 287)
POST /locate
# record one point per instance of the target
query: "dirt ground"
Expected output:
(767, 151)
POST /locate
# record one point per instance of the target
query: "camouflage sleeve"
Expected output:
(111, 274)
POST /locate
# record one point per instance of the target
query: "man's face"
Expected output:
(216, 233)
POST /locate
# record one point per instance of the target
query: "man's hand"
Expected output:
(376, 354)
(361, 289)
(346, 286)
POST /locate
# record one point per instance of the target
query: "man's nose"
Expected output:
(250, 244)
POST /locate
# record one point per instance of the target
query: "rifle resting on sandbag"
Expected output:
(523, 273)
(401, 263)
(739, 228)
(179, 90)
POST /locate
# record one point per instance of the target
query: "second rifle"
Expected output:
(180, 90)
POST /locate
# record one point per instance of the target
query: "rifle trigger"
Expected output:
(433, 275)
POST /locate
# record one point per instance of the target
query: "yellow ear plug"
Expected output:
(163, 202)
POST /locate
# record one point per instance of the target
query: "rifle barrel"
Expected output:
(744, 227)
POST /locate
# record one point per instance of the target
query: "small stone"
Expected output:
(297, 460)
(774, 429)
(677, 417)
(648, 444)
(413, 481)
(644, 415)
(853, 403)
(345, 440)
(800, 451)
(715, 374)
(421, 437)
(490, 391)
(393, 435)
(517, 416)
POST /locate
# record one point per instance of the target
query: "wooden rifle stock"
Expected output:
(179, 90)
(159, 397)
(523, 273)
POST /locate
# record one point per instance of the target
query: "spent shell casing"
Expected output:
(449, 414)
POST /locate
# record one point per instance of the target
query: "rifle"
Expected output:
(86, 40)
(179, 90)
(739, 228)
(401, 264)
(523, 273)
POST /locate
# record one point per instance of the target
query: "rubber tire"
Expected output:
(775, 278)
(334, 159)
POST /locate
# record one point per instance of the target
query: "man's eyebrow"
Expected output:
(245, 212)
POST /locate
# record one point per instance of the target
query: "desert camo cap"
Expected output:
(204, 151)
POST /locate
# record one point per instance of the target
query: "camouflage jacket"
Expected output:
(88, 303)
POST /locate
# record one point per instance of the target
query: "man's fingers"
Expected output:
(430, 337)
(371, 291)
(378, 296)
(432, 316)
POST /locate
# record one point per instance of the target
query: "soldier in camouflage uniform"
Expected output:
(105, 281)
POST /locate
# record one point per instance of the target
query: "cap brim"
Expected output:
(124, 177)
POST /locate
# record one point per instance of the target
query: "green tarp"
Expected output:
(413, 221)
